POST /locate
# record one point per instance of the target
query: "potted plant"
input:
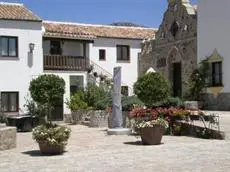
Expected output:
(99, 117)
(150, 124)
(51, 138)
(78, 106)
(99, 99)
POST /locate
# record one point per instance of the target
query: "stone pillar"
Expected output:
(116, 95)
(117, 118)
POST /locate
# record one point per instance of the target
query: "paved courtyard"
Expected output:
(90, 149)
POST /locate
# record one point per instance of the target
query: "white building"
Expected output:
(18, 63)
(213, 46)
(64, 49)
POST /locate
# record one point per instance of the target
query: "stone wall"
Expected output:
(219, 102)
(146, 59)
(7, 138)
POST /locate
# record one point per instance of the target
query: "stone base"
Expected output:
(119, 131)
(7, 138)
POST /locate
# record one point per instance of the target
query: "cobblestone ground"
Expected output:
(91, 149)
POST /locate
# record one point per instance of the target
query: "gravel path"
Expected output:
(90, 149)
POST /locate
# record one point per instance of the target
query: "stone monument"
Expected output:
(116, 118)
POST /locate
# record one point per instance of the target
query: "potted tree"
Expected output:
(151, 89)
(46, 91)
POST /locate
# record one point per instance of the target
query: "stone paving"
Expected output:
(90, 149)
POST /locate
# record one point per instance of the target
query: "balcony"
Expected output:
(67, 63)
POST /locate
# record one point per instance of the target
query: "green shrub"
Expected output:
(36, 109)
(97, 97)
(128, 102)
(3, 119)
(77, 101)
(152, 88)
(197, 82)
(173, 102)
(104, 102)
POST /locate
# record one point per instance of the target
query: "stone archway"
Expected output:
(174, 63)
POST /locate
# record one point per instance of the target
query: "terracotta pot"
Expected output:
(48, 149)
(152, 135)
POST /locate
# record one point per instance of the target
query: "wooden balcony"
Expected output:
(68, 63)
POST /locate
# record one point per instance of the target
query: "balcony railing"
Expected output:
(69, 63)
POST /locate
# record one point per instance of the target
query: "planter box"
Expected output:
(193, 105)
(152, 135)
(7, 138)
(99, 119)
(79, 116)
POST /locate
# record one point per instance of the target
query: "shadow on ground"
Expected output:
(38, 153)
(139, 143)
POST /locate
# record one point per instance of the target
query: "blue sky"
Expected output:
(144, 12)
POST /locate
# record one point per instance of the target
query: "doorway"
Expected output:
(177, 82)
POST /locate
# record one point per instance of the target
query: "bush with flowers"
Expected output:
(51, 134)
(167, 117)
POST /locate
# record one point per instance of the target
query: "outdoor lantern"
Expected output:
(31, 46)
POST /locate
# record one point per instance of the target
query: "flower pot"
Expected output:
(152, 135)
(79, 116)
(99, 119)
(48, 149)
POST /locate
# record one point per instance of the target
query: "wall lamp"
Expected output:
(31, 47)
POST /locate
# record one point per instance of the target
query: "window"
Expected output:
(55, 47)
(102, 54)
(125, 90)
(8, 46)
(9, 101)
(123, 53)
(174, 28)
(217, 74)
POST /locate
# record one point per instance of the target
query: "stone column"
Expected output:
(116, 95)
(116, 118)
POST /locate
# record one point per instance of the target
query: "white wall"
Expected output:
(66, 77)
(69, 48)
(16, 73)
(213, 32)
(129, 69)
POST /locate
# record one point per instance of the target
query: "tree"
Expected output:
(47, 91)
(197, 82)
(152, 88)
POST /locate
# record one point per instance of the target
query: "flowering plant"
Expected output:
(158, 121)
(51, 134)
(147, 117)
(158, 112)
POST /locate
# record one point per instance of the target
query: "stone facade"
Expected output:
(175, 43)
(218, 102)
(7, 138)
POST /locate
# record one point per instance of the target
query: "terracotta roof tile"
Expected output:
(14, 11)
(74, 29)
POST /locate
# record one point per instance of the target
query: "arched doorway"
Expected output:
(175, 71)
